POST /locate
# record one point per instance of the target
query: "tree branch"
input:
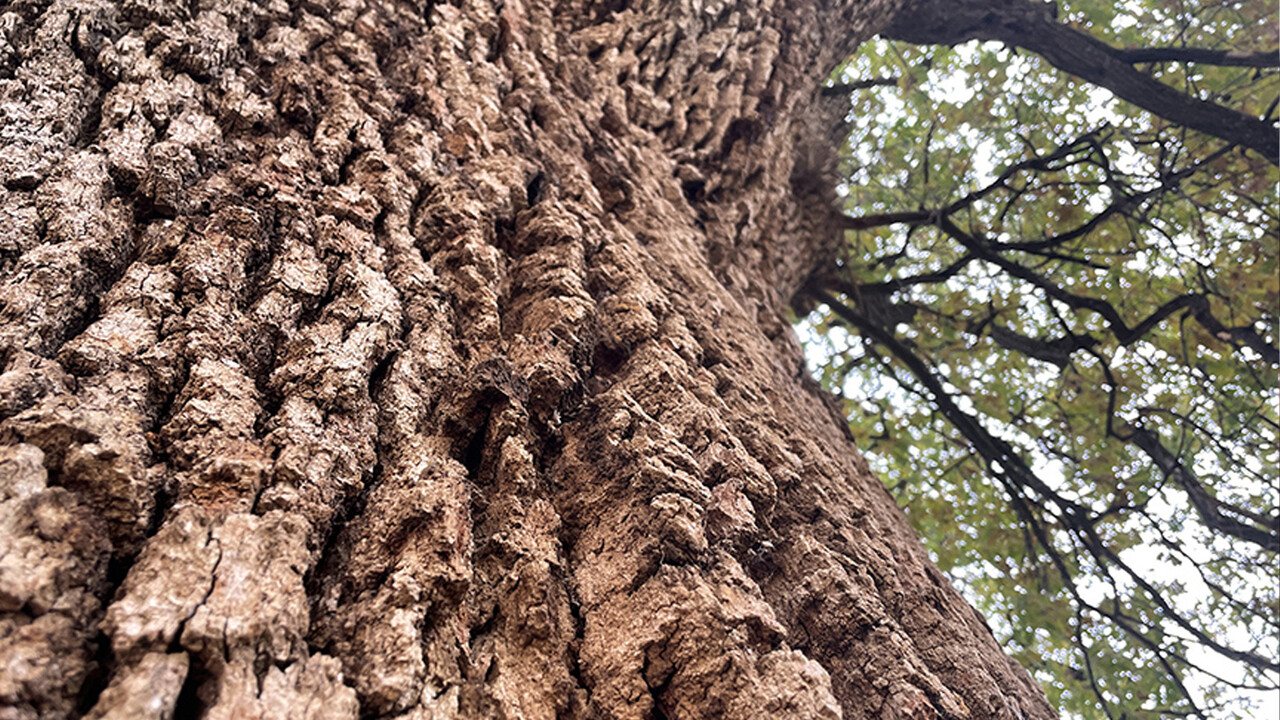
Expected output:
(1205, 504)
(1009, 467)
(1125, 335)
(863, 222)
(846, 88)
(1203, 56)
(1030, 26)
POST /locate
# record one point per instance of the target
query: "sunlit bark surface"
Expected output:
(427, 360)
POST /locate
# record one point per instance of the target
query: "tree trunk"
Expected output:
(428, 360)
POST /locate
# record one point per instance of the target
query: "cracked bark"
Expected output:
(428, 360)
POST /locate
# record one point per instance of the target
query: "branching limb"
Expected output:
(1210, 509)
(1196, 304)
(1030, 25)
(1009, 467)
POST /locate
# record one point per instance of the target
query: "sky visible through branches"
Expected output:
(1054, 334)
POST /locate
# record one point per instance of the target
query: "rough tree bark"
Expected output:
(428, 360)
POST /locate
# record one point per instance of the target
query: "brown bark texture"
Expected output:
(366, 358)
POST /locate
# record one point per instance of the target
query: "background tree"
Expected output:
(1055, 325)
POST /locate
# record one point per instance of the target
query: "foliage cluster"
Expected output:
(1055, 332)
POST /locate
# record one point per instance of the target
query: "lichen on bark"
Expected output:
(429, 360)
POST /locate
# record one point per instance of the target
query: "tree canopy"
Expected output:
(1054, 328)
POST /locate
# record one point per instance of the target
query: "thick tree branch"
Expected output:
(1029, 25)
(1203, 56)
(990, 447)
(1057, 351)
